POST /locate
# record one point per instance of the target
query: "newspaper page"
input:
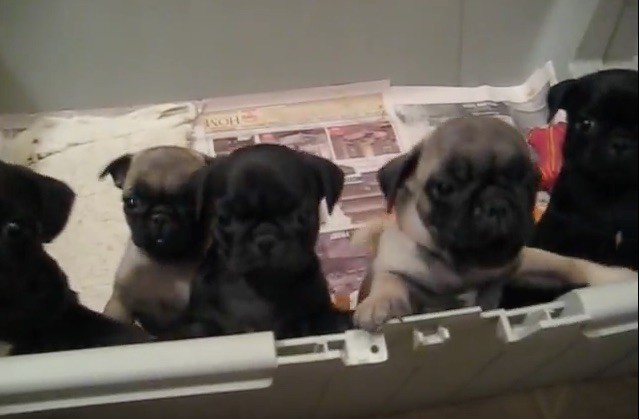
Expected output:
(361, 132)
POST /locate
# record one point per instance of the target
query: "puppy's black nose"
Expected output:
(265, 243)
(12, 231)
(159, 220)
(494, 209)
(619, 147)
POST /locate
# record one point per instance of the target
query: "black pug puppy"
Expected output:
(263, 273)
(38, 310)
(592, 213)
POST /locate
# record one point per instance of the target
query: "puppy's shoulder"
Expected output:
(399, 253)
(132, 259)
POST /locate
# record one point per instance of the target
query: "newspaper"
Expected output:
(360, 132)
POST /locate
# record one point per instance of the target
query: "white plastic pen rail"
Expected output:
(136, 372)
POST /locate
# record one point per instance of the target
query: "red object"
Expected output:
(548, 144)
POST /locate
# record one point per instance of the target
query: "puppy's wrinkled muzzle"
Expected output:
(620, 147)
(161, 226)
(265, 238)
(493, 214)
(265, 244)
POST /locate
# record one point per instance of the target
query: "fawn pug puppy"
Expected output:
(463, 211)
(38, 310)
(168, 239)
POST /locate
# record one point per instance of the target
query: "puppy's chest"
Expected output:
(400, 255)
(161, 291)
(608, 227)
(244, 310)
(432, 282)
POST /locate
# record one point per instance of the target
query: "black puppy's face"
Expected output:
(266, 216)
(159, 200)
(33, 210)
(467, 191)
(601, 140)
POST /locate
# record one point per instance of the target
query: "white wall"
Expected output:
(57, 54)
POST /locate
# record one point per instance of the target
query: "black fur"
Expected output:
(263, 273)
(38, 310)
(594, 201)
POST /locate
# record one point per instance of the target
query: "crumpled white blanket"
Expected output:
(75, 149)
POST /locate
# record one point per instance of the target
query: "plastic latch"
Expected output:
(364, 348)
(435, 336)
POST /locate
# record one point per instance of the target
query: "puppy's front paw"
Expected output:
(376, 310)
(622, 274)
(602, 275)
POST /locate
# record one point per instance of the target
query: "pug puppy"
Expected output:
(592, 213)
(263, 273)
(463, 210)
(38, 310)
(168, 240)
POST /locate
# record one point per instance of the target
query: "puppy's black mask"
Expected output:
(481, 213)
(477, 203)
(162, 220)
(264, 203)
(33, 210)
(601, 140)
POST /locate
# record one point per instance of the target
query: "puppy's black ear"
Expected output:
(330, 179)
(206, 182)
(392, 175)
(208, 159)
(118, 169)
(56, 201)
(559, 97)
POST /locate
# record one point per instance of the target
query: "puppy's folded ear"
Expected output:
(330, 179)
(118, 169)
(208, 159)
(559, 97)
(56, 201)
(392, 175)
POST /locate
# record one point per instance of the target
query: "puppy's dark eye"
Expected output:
(586, 125)
(440, 188)
(12, 230)
(223, 220)
(131, 202)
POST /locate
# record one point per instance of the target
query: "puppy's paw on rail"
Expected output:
(377, 309)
